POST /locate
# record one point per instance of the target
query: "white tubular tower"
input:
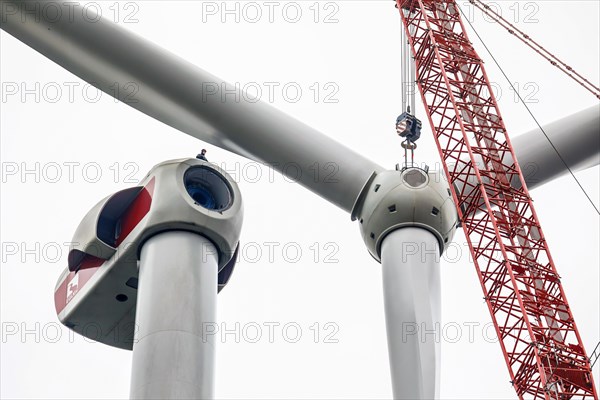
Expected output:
(173, 356)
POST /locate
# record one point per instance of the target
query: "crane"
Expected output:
(522, 288)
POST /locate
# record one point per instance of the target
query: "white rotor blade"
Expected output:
(190, 99)
(410, 259)
(576, 138)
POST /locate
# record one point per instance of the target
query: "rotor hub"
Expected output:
(408, 197)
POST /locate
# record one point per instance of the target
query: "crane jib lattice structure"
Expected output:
(542, 347)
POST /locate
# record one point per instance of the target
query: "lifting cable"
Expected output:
(408, 126)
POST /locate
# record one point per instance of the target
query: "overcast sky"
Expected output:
(343, 56)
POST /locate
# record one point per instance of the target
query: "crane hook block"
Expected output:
(408, 126)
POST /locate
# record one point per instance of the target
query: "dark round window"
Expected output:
(208, 188)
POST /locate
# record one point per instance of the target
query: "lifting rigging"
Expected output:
(536, 329)
(408, 126)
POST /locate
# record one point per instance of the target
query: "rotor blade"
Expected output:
(193, 101)
(410, 260)
(576, 141)
(190, 99)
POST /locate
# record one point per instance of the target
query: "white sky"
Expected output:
(358, 54)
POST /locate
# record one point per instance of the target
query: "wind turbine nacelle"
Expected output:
(409, 197)
(96, 294)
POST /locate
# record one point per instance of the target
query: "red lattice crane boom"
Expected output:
(538, 335)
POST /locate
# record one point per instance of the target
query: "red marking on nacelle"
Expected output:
(136, 211)
(89, 266)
